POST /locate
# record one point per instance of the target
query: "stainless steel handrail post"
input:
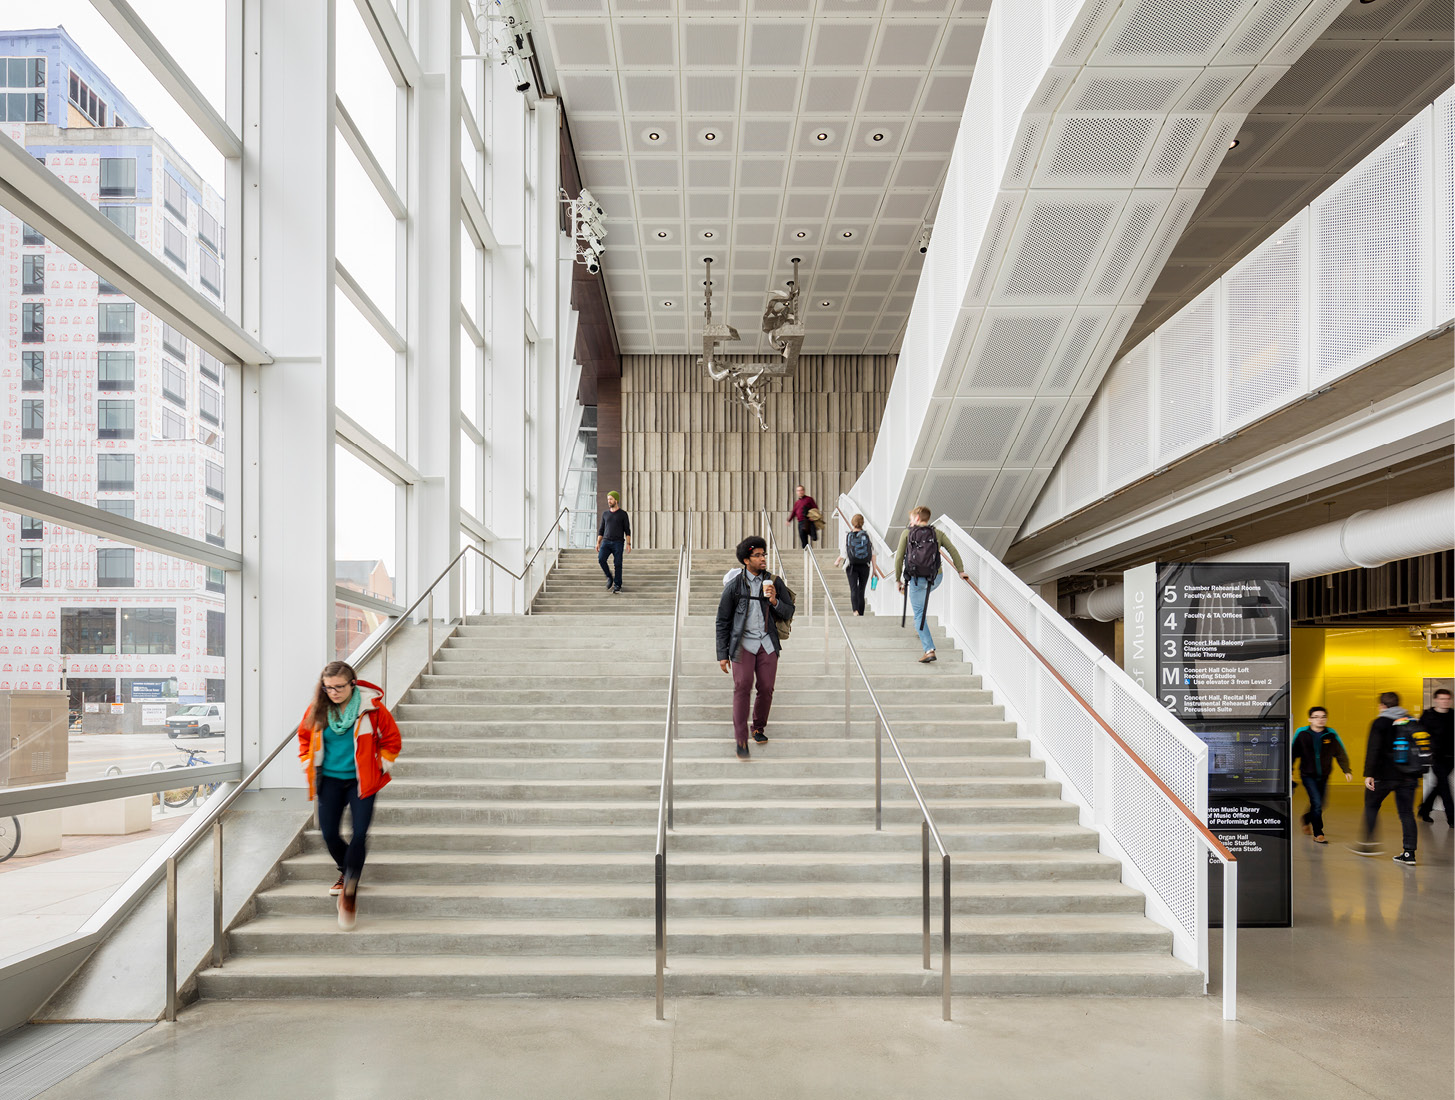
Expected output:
(661, 932)
(1230, 940)
(878, 773)
(846, 688)
(429, 618)
(217, 892)
(172, 940)
(665, 796)
(924, 852)
(945, 946)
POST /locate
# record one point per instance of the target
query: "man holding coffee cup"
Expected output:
(752, 604)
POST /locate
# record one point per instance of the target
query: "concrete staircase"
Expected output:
(513, 852)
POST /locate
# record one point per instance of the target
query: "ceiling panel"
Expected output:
(1375, 67)
(831, 123)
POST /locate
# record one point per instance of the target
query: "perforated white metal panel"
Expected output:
(1187, 379)
(1081, 463)
(1371, 255)
(1265, 326)
(1129, 417)
(1442, 162)
(1012, 350)
(978, 433)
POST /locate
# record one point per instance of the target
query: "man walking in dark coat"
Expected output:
(753, 603)
(1315, 748)
(1383, 776)
(1438, 720)
(613, 538)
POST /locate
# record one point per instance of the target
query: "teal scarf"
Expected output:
(342, 721)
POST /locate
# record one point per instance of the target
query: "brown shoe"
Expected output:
(1308, 830)
(348, 905)
(1320, 839)
(927, 658)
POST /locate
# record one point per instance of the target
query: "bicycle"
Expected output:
(9, 837)
(181, 796)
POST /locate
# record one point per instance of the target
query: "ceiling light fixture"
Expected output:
(667, 304)
(826, 303)
(822, 136)
(709, 136)
(707, 233)
(877, 137)
(1235, 143)
(654, 136)
(800, 234)
(848, 233)
(661, 232)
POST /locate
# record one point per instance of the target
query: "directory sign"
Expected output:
(1245, 758)
(1223, 640)
(1258, 834)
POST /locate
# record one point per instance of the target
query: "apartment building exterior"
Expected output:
(105, 403)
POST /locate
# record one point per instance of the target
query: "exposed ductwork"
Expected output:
(1425, 525)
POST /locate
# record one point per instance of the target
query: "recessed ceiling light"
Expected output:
(800, 234)
(822, 136)
(708, 234)
(709, 136)
(877, 137)
(661, 233)
(654, 136)
(667, 304)
(1235, 143)
(848, 233)
(826, 303)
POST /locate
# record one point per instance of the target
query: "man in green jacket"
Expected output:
(917, 567)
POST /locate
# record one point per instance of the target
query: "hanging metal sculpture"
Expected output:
(784, 328)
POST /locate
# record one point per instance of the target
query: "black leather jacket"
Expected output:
(732, 614)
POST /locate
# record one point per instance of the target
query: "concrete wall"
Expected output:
(687, 444)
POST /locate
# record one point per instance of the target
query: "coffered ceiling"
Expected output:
(754, 131)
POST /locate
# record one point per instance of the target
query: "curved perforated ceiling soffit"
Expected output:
(1090, 131)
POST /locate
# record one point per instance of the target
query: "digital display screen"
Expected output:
(1245, 758)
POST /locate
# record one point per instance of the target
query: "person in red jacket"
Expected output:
(807, 529)
(347, 742)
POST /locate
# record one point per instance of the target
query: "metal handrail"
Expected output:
(1204, 835)
(927, 825)
(213, 815)
(380, 641)
(669, 737)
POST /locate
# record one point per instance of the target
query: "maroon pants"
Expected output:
(763, 666)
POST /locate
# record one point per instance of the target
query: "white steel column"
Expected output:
(288, 445)
(504, 425)
(546, 118)
(432, 302)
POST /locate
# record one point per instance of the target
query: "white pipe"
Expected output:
(1425, 525)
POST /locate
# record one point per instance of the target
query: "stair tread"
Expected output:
(709, 889)
(643, 859)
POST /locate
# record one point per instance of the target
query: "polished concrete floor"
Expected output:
(1357, 1000)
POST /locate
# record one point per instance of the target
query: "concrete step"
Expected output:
(648, 770)
(906, 700)
(785, 709)
(349, 975)
(730, 785)
(1022, 933)
(746, 838)
(775, 901)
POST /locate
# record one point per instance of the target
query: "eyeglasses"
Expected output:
(331, 688)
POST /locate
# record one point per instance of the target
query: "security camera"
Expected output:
(594, 243)
(923, 243)
(593, 264)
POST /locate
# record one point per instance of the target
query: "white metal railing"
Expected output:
(1139, 774)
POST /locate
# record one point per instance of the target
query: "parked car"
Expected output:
(202, 719)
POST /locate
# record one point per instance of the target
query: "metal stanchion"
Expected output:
(945, 947)
(878, 771)
(429, 618)
(846, 687)
(217, 892)
(172, 940)
(924, 846)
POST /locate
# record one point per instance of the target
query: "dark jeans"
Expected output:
(611, 548)
(1441, 789)
(762, 666)
(1404, 803)
(807, 529)
(333, 795)
(1316, 789)
(858, 581)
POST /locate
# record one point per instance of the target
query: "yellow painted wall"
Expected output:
(1346, 668)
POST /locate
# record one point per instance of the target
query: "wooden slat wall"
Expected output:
(688, 444)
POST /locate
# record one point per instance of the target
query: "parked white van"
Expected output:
(202, 719)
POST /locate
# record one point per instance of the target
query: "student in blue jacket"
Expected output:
(1315, 748)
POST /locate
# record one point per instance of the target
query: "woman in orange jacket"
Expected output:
(348, 741)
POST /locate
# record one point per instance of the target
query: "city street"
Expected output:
(92, 754)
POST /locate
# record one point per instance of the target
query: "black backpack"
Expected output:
(1409, 746)
(922, 553)
(858, 547)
